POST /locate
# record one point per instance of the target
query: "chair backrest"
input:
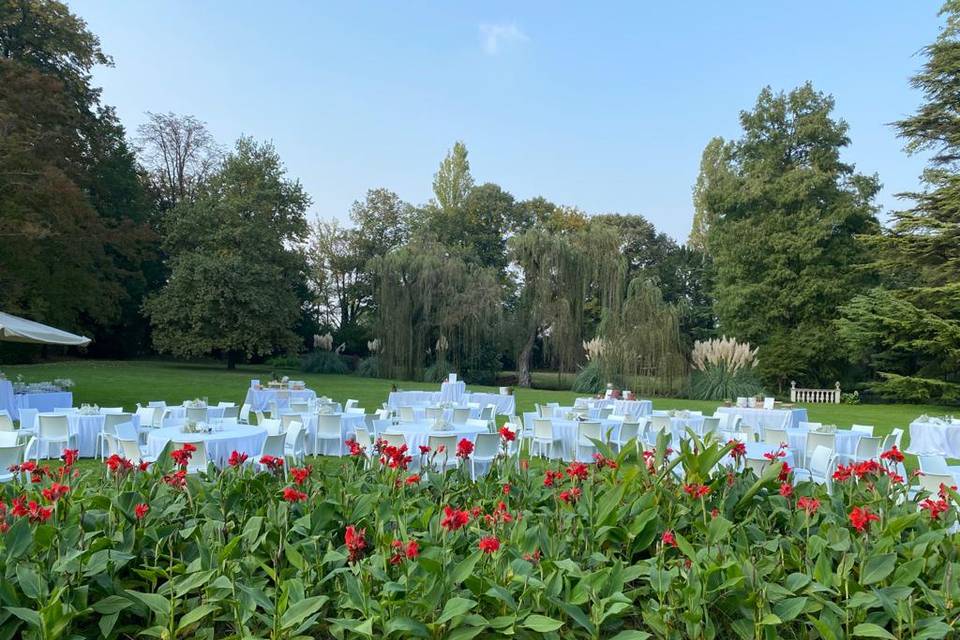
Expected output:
(898, 433)
(351, 403)
(198, 460)
(868, 448)
(8, 439)
(820, 461)
(816, 439)
(477, 423)
(393, 439)
(226, 404)
(711, 425)
(487, 413)
(231, 412)
(110, 445)
(605, 412)
(862, 428)
(274, 445)
(362, 434)
(12, 454)
(52, 426)
(406, 414)
(113, 419)
(197, 414)
(449, 444)
(296, 438)
(328, 426)
(126, 430)
(809, 426)
(434, 413)
(146, 416)
(936, 465)
(889, 441)
(461, 415)
(543, 428)
(757, 465)
(162, 404)
(300, 407)
(289, 418)
(735, 423)
(589, 430)
(931, 481)
(161, 415)
(106, 410)
(775, 436)
(660, 423)
(28, 418)
(129, 449)
(629, 430)
(768, 403)
(487, 445)
(271, 425)
(6, 422)
(244, 415)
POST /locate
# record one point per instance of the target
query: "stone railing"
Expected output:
(815, 396)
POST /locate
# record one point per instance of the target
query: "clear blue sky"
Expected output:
(606, 106)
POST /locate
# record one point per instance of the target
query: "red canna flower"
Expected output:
(714, 512)
(893, 454)
(182, 455)
(549, 477)
(604, 462)
(236, 458)
(424, 449)
(533, 557)
(300, 474)
(69, 457)
(867, 467)
(464, 448)
(572, 495)
(668, 539)
(773, 455)
(118, 465)
(942, 491)
(784, 472)
(19, 508)
(413, 478)
(143, 466)
(577, 470)
(843, 473)
(395, 457)
(489, 544)
(524, 464)
(860, 518)
(356, 450)
(808, 504)
(935, 507)
(273, 464)
(696, 490)
(38, 514)
(507, 434)
(356, 542)
(412, 550)
(786, 489)
(454, 519)
(506, 489)
(55, 491)
(292, 495)
(177, 479)
(141, 510)
(739, 450)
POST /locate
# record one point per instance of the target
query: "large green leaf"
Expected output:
(455, 607)
(870, 630)
(541, 624)
(878, 567)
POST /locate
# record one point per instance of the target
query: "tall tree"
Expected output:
(712, 161)
(179, 154)
(909, 330)
(453, 181)
(235, 270)
(788, 214)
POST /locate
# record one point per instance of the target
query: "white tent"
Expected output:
(14, 329)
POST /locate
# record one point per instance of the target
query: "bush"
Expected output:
(589, 380)
(369, 367)
(719, 383)
(324, 362)
(437, 372)
(283, 362)
(483, 367)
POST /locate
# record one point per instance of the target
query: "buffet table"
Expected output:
(43, 402)
(935, 436)
(631, 408)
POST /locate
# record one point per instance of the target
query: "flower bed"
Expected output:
(618, 548)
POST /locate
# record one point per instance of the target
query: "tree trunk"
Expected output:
(523, 362)
(231, 359)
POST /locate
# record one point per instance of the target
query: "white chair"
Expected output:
(936, 465)
(543, 436)
(110, 422)
(711, 424)
(862, 428)
(295, 442)
(53, 429)
(460, 415)
(130, 449)
(300, 407)
(393, 439)
(231, 413)
(272, 426)
(28, 419)
(287, 419)
(656, 426)
(868, 448)
(898, 437)
(197, 414)
(448, 456)
(406, 414)
(9, 438)
(65, 411)
(328, 430)
(488, 412)
(351, 403)
(12, 455)
(605, 412)
(816, 439)
(275, 446)
(629, 430)
(6, 422)
(161, 404)
(198, 458)
(108, 410)
(587, 432)
(768, 403)
(244, 416)
(146, 416)
(486, 448)
(931, 481)
(809, 426)
(757, 465)
(820, 468)
(477, 423)
(775, 437)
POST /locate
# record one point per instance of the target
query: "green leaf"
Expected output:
(195, 615)
(29, 616)
(870, 630)
(302, 610)
(156, 603)
(631, 634)
(18, 538)
(111, 604)
(107, 622)
(541, 624)
(465, 567)
(876, 568)
(29, 582)
(408, 626)
(455, 607)
(789, 608)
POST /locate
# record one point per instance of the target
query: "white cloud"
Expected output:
(493, 37)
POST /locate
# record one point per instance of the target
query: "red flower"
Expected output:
(860, 518)
(549, 477)
(507, 434)
(395, 457)
(808, 504)
(38, 514)
(143, 466)
(506, 489)
(784, 472)
(292, 495)
(602, 461)
(668, 539)
(696, 490)
(413, 478)
(400, 551)
(118, 465)
(572, 495)
(577, 470)
(19, 507)
(524, 464)
(464, 448)
(893, 454)
(738, 451)
(55, 491)
(533, 557)
(272, 463)
(412, 550)
(424, 449)
(356, 542)
(786, 489)
(843, 473)
(935, 507)
(773, 455)
(300, 474)
(177, 479)
(867, 467)
(237, 458)
(355, 449)
(182, 456)
(942, 491)
(69, 457)
(141, 510)
(489, 544)
(454, 519)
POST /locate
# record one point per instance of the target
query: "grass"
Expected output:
(115, 383)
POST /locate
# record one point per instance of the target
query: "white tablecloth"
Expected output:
(632, 408)
(566, 432)
(756, 451)
(7, 402)
(420, 413)
(413, 399)
(506, 404)
(42, 402)
(758, 418)
(846, 441)
(260, 399)
(417, 434)
(177, 416)
(452, 391)
(935, 438)
(220, 444)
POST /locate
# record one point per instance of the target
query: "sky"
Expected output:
(603, 106)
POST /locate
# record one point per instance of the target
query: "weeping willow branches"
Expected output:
(427, 299)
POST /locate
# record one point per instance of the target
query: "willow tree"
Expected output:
(563, 273)
(640, 344)
(434, 309)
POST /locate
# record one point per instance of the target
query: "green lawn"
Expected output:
(115, 383)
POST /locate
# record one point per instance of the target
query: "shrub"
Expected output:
(369, 367)
(437, 372)
(284, 362)
(324, 362)
(717, 383)
(589, 380)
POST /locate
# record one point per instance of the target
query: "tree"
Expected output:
(179, 154)
(234, 266)
(785, 238)
(712, 162)
(452, 181)
(908, 330)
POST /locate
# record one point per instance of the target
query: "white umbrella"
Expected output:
(14, 329)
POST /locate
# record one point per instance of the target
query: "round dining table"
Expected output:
(243, 438)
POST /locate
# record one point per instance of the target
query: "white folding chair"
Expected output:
(543, 436)
(460, 415)
(6, 422)
(328, 430)
(862, 428)
(295, 442)
(819, 469)
(587, 432)
(53, 429)
(486, 448)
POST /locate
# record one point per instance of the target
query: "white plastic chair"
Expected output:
(486, 448)
(300, 407)
(711, 424)
(130, 449)
(328, 430)
(295, 442)
(275, 446)
(543, 436)
(936, 465)
(862, 428)
(809, 426)
(461, 415)
(28, 419)
(161, 404)
(587, 431)
(931, 481)
(244, 416)
(9, 438)
(448, 457)
(109, 410)
(868, 448)
(230, 413)
(272, 426)
(488, 412)
(775, 436)
(198, 459)
(53, 429)
(12, 455)
(477, 423)
(6, 422)
(197, 414)
(816, 439)
(629, 430)
(351, 403)
(406, 414)
(820, 468)
(393, 439)
(656, 425)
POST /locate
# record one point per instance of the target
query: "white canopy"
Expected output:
(14, 329)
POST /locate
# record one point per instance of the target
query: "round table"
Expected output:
(935, 436)
(420, 413)
(417, 433)
(220, 444)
